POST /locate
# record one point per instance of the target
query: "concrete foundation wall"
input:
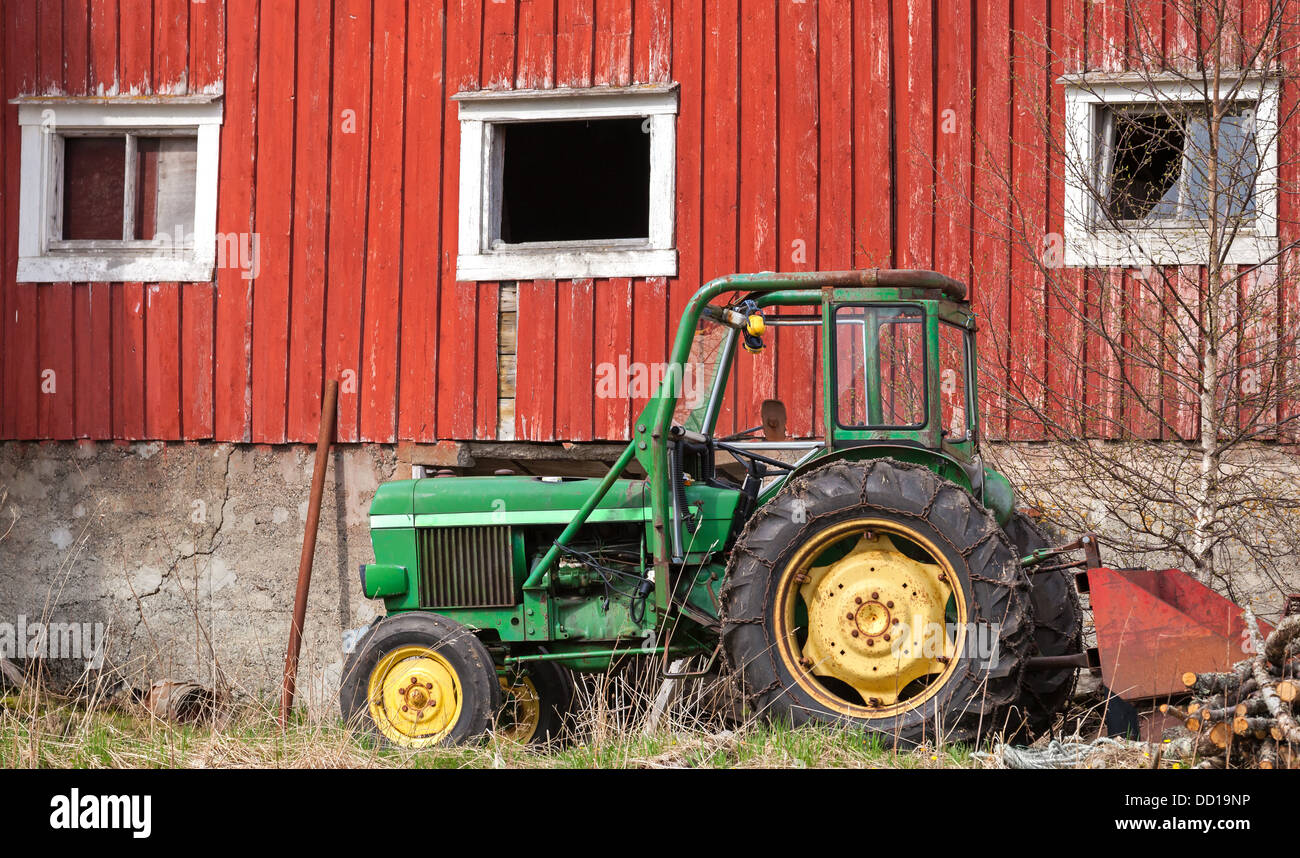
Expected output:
(188, 555)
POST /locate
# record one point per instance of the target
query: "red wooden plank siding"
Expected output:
(93, 379)
(76, 53)
(850, 128)
(310, 217)
(873, 174)
(798, 240)
(457, 310)
(836, 211)
(128, 361)
(677, 52)
(56, 378)
(611, 351)
(1029, 228)
(534, 376)
(573, 42)
(535, 46)
(653, 34)
(574, 378)
(383, 300)
(349, 155)
(425, 96)
(130, 333)
(22, 384)
(274, 223)
(992, 158)
(171, 46)
(206, 67)
(162, 348)
(750, 243)
(232, 409)
(612, 55)
(498, 45)
(1064, 286)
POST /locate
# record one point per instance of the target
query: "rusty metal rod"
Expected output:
(1056, 662)
(328, 414)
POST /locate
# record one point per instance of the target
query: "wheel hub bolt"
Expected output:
(889, 604)
(857, 600)
(875, 595)
(855, 633)
(853, 616)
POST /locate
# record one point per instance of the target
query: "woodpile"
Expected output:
(1247, 717)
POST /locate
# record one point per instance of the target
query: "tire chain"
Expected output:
(1017, 583)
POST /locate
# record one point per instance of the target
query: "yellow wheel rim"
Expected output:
(867, 633)
(521, 712)
(415, 696)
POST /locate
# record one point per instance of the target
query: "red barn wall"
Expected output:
(850, 128)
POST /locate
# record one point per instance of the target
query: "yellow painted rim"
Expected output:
(871, 616)
(521, 710)
(415, 696)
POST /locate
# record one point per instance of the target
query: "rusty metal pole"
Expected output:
(328, 413)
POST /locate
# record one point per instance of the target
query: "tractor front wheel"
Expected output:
(878, 595)
(418, 680)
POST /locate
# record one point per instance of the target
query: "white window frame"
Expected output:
(44, 121)
(1089, 245)
(481, 253)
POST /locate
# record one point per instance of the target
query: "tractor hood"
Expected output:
(471, 501)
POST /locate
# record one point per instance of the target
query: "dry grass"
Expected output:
(610, 730)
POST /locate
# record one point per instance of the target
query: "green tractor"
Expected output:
(872, 577)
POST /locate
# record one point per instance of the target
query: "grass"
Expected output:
(68, 735)
(704, 727)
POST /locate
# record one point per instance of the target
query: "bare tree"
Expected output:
(1163, 271)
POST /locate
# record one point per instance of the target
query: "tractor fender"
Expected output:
(993, 490)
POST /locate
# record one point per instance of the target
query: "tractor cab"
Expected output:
(896, 378)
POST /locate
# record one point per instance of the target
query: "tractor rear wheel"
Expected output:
(418, 680)
(537, 699)
(879, 595)
(1058, 630)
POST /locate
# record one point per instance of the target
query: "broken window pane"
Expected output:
(584, 180)
(165, 184)
(94, 177)
(1146, 162)
(1158, 163)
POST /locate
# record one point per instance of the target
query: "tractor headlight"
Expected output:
(383, 580)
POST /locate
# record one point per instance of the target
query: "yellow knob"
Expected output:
(757, 327)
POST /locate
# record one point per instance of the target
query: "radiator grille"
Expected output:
(465, 567)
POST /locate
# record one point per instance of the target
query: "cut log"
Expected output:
(1220, 734)
(1242, 725)
(1287, 632)
(1288, 689)
(1267, 754)
(1267, 684)
(1251, 708)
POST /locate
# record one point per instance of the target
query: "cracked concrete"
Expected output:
(188, 554)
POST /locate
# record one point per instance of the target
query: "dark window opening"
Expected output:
(1148, 156)
(585, 180)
